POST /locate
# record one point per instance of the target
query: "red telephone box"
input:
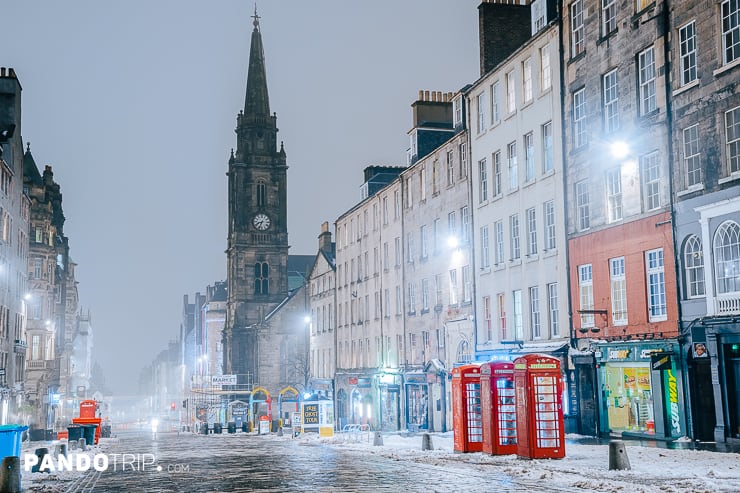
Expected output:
(499, 409)
(539, 407)
(88, 408)
(466, 410)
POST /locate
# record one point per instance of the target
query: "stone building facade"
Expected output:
(705, 109)
(14, 216)
(621, 255)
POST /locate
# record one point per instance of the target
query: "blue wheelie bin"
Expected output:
(89, 433)
(11, 437)
(75, 432)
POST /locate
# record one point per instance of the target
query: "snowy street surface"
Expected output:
(247, 462)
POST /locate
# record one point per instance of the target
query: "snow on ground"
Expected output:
(584, 469)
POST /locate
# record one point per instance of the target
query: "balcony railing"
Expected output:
(40, 364)
(727, 304)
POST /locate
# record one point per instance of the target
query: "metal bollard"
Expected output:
(280, 431)
(378, 440)
(82, 444)
(10, 476)
(40, 453)
(618, 456)
(426, 442)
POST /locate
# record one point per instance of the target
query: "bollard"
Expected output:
(82, 444)
(426, 442)
(618, 456)
(10, 476)
(62, 449)
(280, 431)
(378, 440)
(40, 453)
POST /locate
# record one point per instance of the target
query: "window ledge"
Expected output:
(685, 88)
(532, 257)
(546, 91)
(725, 68)
(485, 270)
(529, 183)
(498, 267)
(549, 253)
(515, 261)
(509, 115)
(732, 177)
(548, 173)
(693, 188)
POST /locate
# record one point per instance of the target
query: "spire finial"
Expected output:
(256, 18)
(28, 146)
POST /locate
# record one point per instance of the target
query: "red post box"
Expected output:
(466, 410)
(539, 407)
(498, 407)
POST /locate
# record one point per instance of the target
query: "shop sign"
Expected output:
(619, 353)
(646, 353)
(217, 380)
(394, 388)
(352, 380)
(674, 412)
(310, 414)
(363, 383)
(543, 366)
(661, 362)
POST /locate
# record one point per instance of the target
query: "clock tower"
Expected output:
(257, 252)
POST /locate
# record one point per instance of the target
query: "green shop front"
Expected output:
(640, 389)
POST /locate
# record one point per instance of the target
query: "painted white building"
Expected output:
(518, 203)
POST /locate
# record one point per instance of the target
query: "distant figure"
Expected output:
(155, 425)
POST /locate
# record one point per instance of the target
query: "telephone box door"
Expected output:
(498, 408)
(466, 409)
(539, 409)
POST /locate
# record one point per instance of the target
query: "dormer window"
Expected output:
(457, 112)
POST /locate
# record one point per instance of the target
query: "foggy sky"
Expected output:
(133, 104)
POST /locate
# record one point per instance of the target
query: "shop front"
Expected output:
(640, 388)
(389, 399)
(417, 399)
(355, 402)
(722, 350)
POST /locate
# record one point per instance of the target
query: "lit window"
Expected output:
(513, 168)
(483, 180)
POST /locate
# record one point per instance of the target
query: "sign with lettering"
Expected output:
(223, 380)
(619, 353)
(310, 414)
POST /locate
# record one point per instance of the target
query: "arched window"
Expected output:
(694, 267)
(727, 257)
(261, 193)
(261, 284)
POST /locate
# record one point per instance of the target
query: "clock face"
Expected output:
(261, 222)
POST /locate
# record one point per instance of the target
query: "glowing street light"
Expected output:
(620, 149)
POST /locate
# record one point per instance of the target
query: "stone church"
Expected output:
(266, 332)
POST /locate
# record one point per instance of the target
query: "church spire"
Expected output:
(257, 102)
